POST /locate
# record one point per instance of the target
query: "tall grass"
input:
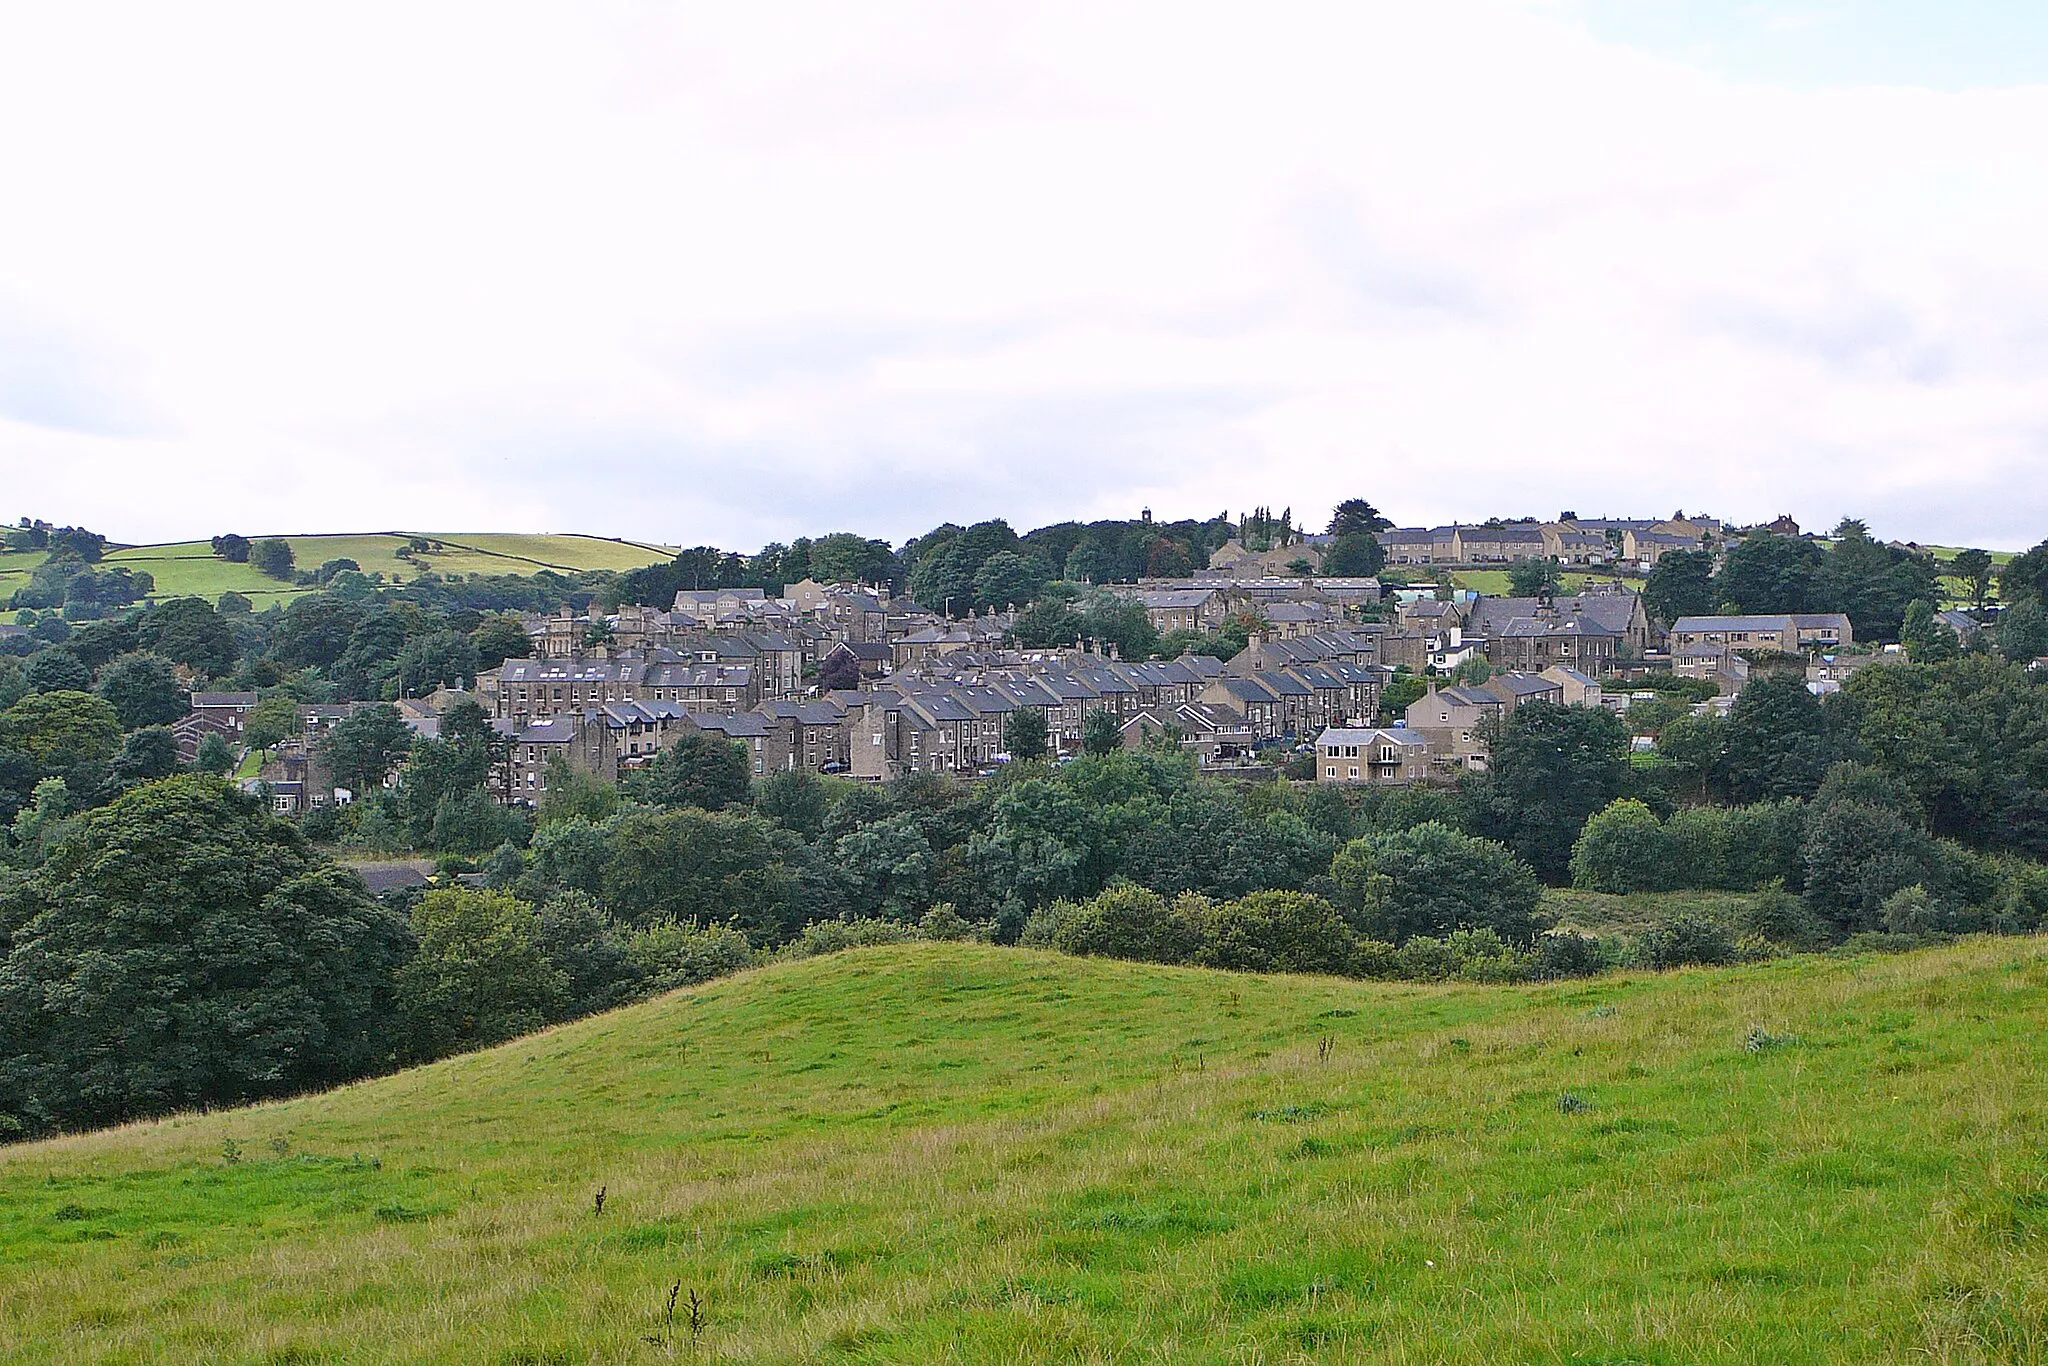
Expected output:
(960, 1153)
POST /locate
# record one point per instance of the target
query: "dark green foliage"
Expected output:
(687, 864)
(190, 632)
(1133, 923)
(795, 800)
(479, 974)
(57, 670)
(181, 948)
(702, 770)
(364, 749)
(1354, 556)
(145, 756)
(232, 547)
(273, 557)
(1203, 839)
(214, 755)
(1766, 573)
(143, 690)
(1624, 848)
(1552, 768)
(1100, 733)
(2023, 631)
(1871, 582)
(436, 659)
(1042, 845)
(58, 730)
(1681, 584)
(583, 945)
(497, 639)
(470, 822)
(1432, 880)
(1278, 932)
(888, 867)
(1856, 856)
(1024, 734)
(2025, 577)
(1685, 940)
(1777, 742)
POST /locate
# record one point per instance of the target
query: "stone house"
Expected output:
(1379, 758)
(1781, 633)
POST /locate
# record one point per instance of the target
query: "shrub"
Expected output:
(1567, 953)
(1042, 927)
(1278, 932)
(942, 924)
(1687, 939)
(1776, 916)
(1623, 849)
(836, 936)
(1131, 922)
(1697, 846)
(679, 955)
(1432, 880)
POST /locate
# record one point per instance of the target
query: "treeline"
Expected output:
(1870, 582)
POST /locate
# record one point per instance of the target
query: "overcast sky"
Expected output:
(732, 272)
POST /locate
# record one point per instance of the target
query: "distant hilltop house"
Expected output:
(1780, 633)
(1232, 557)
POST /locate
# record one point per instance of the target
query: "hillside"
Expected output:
(191, 569)
(976, 1154)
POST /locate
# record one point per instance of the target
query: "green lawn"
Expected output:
(1494, 582)
(970, 1154)
(15, 567)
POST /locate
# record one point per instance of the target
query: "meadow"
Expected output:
(972, 1154)
(190, 569)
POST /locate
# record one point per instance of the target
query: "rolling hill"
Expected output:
(972, 1154)
(190, 568)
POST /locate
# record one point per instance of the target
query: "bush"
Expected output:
(1623, 849)
(1779, 918)
(1687, 939)
(678, 955)
(835, 936)
(943, 924)
(1567, 953)
(1278, 932)
(1433, 880)
(1133, 923)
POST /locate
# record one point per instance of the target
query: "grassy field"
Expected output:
(15, 567)
(1599, 913)
(969, 1154)
(1494, 582)
(190, 568)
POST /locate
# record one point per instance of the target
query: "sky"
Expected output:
(735, 273)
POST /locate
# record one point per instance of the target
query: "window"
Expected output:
(1332, 772)
(1354, 770)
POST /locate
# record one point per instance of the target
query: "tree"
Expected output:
(1973, 567)
(1871, 582)
(1402, 690)
(1550, 769)
(233, 604)
(478, 977)
(1767, 573)
(1356, 517)
(60, 729)
(497, 639)
(146, 755)
(1100, 733)
(1623, 849)
(703, 770)
(1048, 622)
(1008, 579)
(1118, 619)
(1354, 556)
(1136, 924)
(190, 632)
(1927, 640)
(839, 671)
(1431, 880)
(214, 755)
(362, 750)
(1777, 742)
(182, 947)
(273, 556)
(2023, 631)
(1537, 578)
(1041, 845)
(716, 868)
(232, 548)
(889, 864)
(2025, 577)
(795, 800)
(1278, 932)
(1681, 584)
(436, 659)
(57, 670)
(143, 690)
(1024, 734)
(272, 720)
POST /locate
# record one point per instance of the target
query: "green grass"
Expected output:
(190, 569)
(1494, 582)
(15, 568)
(969, 1154)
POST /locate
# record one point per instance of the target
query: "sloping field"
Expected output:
(970, 1154)
(190, 568)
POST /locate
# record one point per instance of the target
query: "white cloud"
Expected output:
(722, 273)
